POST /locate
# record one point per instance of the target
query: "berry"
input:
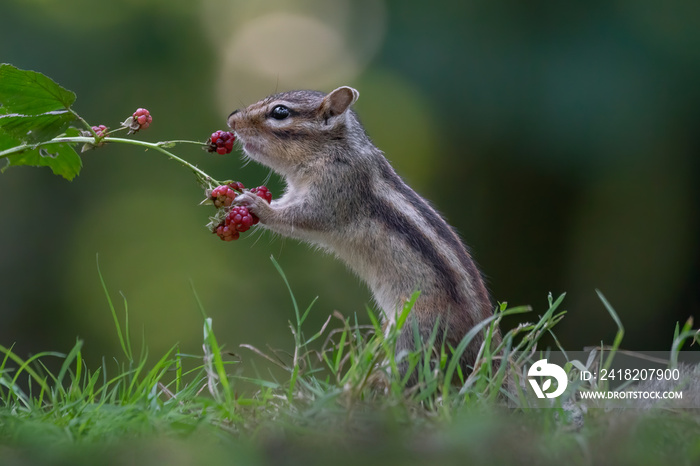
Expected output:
(240, 219)
(221, 142)
(226, 233)
(225, 194)
(101, 131)
(140, 119)
(263, 192)
(143, 118)
(237, 185)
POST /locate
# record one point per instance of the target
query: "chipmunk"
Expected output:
(343, 196)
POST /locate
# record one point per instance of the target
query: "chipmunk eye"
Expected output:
(280, 112)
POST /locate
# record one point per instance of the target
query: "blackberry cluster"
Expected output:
(101, 131)
(221, 142)
(223, 195)
(226, 233)
(263, 192)
(143, 118)
(238, 218)
(140, 119)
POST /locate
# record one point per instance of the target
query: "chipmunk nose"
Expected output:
(232, 123)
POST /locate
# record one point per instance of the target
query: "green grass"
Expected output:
(335, 398)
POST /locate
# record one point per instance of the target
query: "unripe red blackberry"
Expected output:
(221, 142)
(236, 185)
(226, 233)
(143, 118)
(101, 131)
(263, 192)
(225, 194)
(239, 218)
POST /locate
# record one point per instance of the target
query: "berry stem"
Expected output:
(182, 141)
(203, 178)
(82, 120)
(116, 130)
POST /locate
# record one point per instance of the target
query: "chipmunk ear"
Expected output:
(337, 101)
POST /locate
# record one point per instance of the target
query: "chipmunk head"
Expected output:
(289, 130)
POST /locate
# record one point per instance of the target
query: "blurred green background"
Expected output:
(560, 139)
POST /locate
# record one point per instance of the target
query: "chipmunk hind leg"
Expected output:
(438, 337)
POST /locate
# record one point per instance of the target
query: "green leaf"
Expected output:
(31, 93)
(60, 157)
(36, 128)
(34, 109)
(7, 141)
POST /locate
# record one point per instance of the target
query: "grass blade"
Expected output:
(618, 336)
(117, 326)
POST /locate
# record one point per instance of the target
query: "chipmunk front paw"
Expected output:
(255, 204)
